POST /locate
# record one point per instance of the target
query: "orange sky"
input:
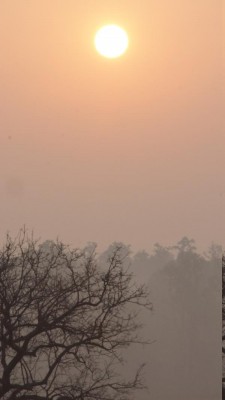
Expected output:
(101, 150)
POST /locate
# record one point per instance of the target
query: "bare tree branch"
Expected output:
(64, 320)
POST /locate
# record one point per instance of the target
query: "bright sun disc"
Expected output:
(111, 41)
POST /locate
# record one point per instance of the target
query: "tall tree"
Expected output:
(65, 320)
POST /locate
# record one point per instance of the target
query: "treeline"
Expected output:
(185, 359)
(73, 310)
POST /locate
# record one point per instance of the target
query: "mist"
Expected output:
(129, 152)
(183, 357)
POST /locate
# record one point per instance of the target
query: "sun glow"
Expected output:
(111, 41)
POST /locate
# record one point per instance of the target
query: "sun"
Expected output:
(111, 41)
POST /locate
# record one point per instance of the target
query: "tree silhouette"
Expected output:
(65, 320)
(223, 324)
(186, 298)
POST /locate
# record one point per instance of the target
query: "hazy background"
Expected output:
(97, 150)
(130, 150)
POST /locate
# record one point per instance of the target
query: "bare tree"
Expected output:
(65, 321)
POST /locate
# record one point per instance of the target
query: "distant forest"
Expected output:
(184, 359)
(184, 362)
(75, 309)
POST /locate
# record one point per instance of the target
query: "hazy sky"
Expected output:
(101, 150)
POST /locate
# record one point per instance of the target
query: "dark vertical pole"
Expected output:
(223, 328)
